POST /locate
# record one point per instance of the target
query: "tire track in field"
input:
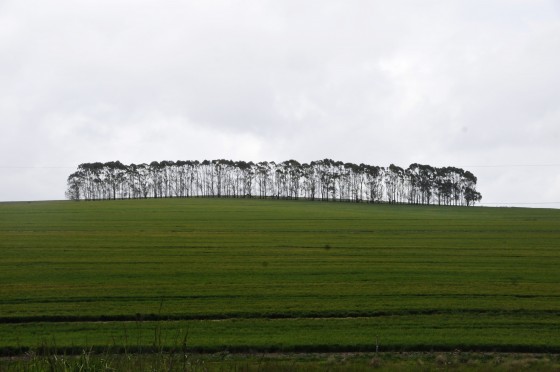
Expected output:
(306, 315)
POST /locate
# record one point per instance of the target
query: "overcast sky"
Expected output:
(472, 83)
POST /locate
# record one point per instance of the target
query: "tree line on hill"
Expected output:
(326, 180)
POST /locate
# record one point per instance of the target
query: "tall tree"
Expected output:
(325, 179)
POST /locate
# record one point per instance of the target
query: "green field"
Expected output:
(267, 275)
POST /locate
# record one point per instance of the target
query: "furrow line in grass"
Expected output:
(286, 315)
(50, 350)
(28, 301)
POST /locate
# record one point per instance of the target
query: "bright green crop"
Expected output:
(282, 275)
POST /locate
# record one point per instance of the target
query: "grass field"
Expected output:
(266, 275)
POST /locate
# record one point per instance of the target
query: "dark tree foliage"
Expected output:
(325, 179)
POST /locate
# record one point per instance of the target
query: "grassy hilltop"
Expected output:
(265, 275)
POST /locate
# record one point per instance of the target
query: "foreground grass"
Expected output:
(411, 361)
(495, 332)
(278, 275)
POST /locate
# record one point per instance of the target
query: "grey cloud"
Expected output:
(442, 82)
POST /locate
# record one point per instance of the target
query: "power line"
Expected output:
(510, 166)
(35, 167)
(518, 203)
(462, 166)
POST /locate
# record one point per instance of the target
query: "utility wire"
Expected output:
(510, 166)
(35, 167)
(501, 203)
(462, 166)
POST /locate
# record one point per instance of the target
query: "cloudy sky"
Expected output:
(471, 83)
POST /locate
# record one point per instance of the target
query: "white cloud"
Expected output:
(442, 82)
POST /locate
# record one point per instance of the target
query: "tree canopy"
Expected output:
(318, 180)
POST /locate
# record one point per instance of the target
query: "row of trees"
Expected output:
(318, 180)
